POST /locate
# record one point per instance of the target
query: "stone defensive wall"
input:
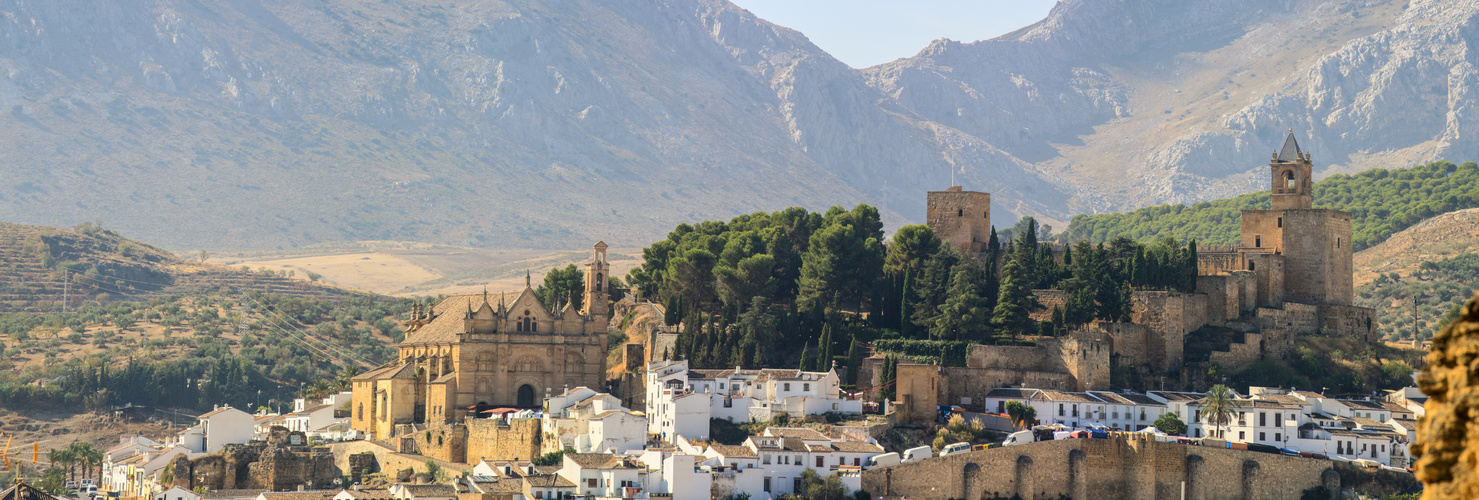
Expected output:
(1122, 467)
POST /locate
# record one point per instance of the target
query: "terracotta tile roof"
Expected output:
(377, 372)
(1066, 396)
(733, 451)
(1178, 396)
(1396, 408)
(549, 481)
(796, 432)
(428, 490)
(857, 447)
(1366, 405)
(1011, 392)
(1284, 399)
(298, 495)
(375, 494)
(595, 460)
(233, 494)
(794, 444)
(546, 469)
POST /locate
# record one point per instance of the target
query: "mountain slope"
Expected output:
(1163, 102)
(249, 124)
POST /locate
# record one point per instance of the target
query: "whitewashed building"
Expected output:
(681, 401)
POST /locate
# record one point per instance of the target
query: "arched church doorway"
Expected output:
(526, 396)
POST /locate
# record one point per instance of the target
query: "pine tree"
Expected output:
(1016, 303)
(963, 311)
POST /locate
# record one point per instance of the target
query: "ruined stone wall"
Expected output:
(440, 441)
(1116, 468)
(491, 439)
(1281, 326)
(1239, 354)
(1349, 321)
(282, 468)
(1130, 342)
(961, 218)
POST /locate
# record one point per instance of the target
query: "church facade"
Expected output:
(471, 349)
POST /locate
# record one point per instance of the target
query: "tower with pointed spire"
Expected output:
(1299, 253)
(596, 273)
(1292, 175)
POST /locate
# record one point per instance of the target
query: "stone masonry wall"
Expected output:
(1116, 468)
(491, 439)
(1239, 354)
(440, 441)
(1281, 326)
(1023, 358)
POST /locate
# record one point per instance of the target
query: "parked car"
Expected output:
(917, 454)
(884, 460)
(1019, 437)
(1289, 452)
(955, 448)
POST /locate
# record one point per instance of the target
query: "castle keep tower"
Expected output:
(1298, 253)
(961, 218)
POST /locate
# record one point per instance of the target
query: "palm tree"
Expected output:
(88, 455)
(1219, 406)
(63, 457)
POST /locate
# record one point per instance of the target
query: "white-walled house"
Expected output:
(176, 493)
(771, 464)
(604, 475)
(681, 400)
(218, 428)
(592, 422)
(1117, 411)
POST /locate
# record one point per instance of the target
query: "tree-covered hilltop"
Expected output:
(1437, 287)
(796, 288)
(1381, 202)
(195, 350)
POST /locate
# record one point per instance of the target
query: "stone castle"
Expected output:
(465, 351)
(1289, 275)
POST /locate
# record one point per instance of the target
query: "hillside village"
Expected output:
(496, 396)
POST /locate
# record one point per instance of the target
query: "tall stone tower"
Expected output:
(961, 218)
(1291, 174)
(1298, 253)
(596, 272)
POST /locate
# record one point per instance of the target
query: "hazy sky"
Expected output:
(863, 33)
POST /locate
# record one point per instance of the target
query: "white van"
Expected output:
(884, 460)
(1019, 437)
(951, 449)
(917, 454)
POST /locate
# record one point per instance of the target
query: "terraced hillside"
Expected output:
(43, 269)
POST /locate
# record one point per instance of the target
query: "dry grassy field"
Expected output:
(404, 269)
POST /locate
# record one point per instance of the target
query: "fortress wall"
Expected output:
(1131, 342)
(1023, 358)
(1049, 299)
(1116, 468)
(961, 218)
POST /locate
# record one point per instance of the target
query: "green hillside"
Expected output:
(1381, 202)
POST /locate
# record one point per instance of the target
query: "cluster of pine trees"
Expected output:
(798, 289)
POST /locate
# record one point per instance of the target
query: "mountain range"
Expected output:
(263, 123)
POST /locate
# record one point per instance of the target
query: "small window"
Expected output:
(1251, 266)
(1337, 243)
(1281, 222)
(960, 213)
(786, 387)
(805, 387)
(986, 215)
(1257, 242)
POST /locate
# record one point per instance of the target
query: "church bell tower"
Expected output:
(1292, 177)
(596, 274)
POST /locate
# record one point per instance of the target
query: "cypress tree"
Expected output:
(906, 305)
(672, 310)
(1191, 267)
(854, 361)
(1058, 320)
(808, 361)
(1016, 302)
(824, 350)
